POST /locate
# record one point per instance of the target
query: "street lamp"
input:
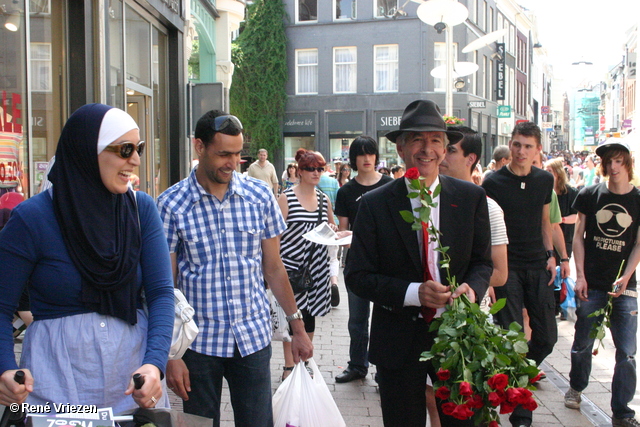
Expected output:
(444, 14)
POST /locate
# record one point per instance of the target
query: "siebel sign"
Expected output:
(500, 77)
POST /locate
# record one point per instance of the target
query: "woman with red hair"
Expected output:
(300, 206)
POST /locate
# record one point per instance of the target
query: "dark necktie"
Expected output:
(427, 312)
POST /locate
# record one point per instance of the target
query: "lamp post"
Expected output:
(444, 14)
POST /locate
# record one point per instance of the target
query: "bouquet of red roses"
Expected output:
(482, 368)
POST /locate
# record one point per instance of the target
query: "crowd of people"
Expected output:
(99, 262)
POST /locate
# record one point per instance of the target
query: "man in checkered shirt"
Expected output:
(223, 232)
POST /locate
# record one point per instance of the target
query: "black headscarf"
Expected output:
(100, 229)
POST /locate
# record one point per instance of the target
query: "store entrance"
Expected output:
(139, 107)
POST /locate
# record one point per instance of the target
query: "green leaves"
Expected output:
(407, 216)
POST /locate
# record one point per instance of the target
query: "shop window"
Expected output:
(306, 71)
(344, 69)
(345, 9)
(138, 44)
(386, 68)
(307, 10)
(386, 8)
(41, 77)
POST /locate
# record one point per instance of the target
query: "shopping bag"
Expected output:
(570, 300)
(279, 325)
(302, 401)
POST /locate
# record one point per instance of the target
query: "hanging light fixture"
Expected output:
(12, 21)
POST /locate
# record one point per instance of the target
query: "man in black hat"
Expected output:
(607, 239)
(385, 264)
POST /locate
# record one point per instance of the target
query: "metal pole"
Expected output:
(449, 76)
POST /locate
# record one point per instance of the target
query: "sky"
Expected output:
(583, 30)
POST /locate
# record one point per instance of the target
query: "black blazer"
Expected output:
(385, 258)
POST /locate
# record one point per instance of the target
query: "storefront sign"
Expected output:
(627, 123)
(300, 123)
(548, 126)
(388, 120)
(348, 122)
(500, 77)
(504, 111)
(477, 104)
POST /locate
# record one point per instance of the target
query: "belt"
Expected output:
(630, 293)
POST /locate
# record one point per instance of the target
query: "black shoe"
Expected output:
(349, 375)
(335, 296)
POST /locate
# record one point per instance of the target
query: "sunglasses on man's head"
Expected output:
(310, 169)
(229, 125)
(126, 149)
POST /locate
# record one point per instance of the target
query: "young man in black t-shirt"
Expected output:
(363, 158)
(607, 236)
(524, 194)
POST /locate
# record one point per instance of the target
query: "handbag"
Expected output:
(185, 329)
(300, 279)
(305, 401)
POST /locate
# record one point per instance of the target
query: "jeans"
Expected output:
(530, 289)
(359, 310)
(624, 326)
(249, 380)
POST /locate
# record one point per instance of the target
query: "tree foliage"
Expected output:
(257, 94)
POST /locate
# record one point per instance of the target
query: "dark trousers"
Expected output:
(249, 380)
(530, 289)
(359, 309)
(403, 388)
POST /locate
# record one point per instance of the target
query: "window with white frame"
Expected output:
(40, 6)
(474, 76)
(385, 68)
(307, 10)
(485, 72)
(41, 73)
(344, 69)
(385, 8)
(345, 9)
(306, 71)
(471, 5)
(440, 59)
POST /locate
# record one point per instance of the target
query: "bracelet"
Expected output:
(564, 260)
(550, 254)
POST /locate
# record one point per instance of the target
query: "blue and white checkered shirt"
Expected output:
(218, 245)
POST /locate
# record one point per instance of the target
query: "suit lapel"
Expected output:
(447, 205)
(399, 201)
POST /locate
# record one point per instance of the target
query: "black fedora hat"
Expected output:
(423, 116)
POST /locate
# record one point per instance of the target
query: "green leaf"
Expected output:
(521, 347)
(449, 331)
(455, 346)
(498, 305)
(413, 195)
(407, 216)
(503, 360)
(416, 226)
(437, 190)
(425, 215)
(515, 326)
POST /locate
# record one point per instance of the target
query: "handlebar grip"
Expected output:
(138, 381)
(19, 377)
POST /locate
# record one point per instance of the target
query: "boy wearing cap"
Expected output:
(387, 263)
(606, 236)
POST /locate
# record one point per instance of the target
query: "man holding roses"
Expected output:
(388, 263)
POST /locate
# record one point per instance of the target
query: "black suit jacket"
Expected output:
(385, 258)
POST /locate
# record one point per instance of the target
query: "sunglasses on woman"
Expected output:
(126, 149)
(229, 125)
(310, 169)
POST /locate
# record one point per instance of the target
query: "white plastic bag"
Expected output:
(279, 325)
(302, 401)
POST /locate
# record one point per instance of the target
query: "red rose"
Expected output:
(535, 379)
(513, 395)
(443, 374)
(412, 173)
(494, 424)
(462, 412)
(448, 408)
(498, 381)
(507, 408)
(530, 405)
(475, 401)
(495, 399)
(595, 352)
(443, 393)
(465, 389)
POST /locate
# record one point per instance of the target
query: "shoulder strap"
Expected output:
(320, 195)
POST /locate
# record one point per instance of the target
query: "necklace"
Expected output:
(522, 183)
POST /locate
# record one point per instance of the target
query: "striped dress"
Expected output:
(294, 250)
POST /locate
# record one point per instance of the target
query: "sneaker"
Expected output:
(625, 422)
(573, 398)
(335, 296)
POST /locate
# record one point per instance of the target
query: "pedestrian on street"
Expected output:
(264, 170)
(330, 187)
(606, 236)
(87, 247)
(524, 193)
(224, 233)
(363, 158)
(387, 266)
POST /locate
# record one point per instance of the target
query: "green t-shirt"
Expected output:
(554, 209)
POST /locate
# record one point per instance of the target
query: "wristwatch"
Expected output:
(564, 259)
(550, 254)
(294, 316)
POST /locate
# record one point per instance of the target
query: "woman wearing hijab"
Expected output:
(88, 248)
